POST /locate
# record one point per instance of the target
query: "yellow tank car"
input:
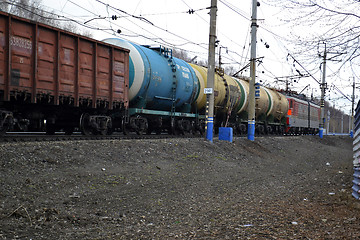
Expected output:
(262, 104)
(227, 91)
(279, 106)
(243, 82)
(201, 73)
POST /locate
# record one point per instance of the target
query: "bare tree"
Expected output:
(230, 70)
(182, 54)
(314, 23)
(4, 6)
(32, 9)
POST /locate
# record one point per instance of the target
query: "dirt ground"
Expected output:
(272, 188)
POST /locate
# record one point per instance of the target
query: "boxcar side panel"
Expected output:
(3, 55)
(46, 61)
(21, 41)
(120, 76)
(86, 74)
(103, 80)
(67, 68)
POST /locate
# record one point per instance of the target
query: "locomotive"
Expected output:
(55, 80)
(303, 116)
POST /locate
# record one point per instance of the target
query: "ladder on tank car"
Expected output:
(168, 54)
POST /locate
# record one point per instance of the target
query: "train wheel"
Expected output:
(104, 132)
(142, 126)
(172, 128)
(184, 126)
(282, 130)
(6, 121)
(85, 124)
(106, 126)
(124, 129)
(261, 130)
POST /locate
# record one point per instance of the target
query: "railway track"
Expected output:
(60, 136)
(37, 137)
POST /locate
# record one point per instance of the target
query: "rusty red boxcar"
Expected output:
(59, 80)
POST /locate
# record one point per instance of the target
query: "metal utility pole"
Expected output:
(328, 123)
(352, 110)
(335, 118)
(211, 71)
(350, 122)
(322, 100)
(251, 106)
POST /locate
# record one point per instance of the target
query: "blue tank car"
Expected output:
(162, 88)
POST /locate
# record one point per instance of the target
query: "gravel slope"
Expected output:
(273, 188)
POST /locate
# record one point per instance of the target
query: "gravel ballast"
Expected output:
(273, 188)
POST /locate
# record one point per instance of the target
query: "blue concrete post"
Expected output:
(209, 129)
(321, 132)
(251, 130)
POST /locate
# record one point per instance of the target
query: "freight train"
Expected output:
(55, 80)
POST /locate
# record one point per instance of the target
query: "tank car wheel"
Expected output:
(269, 130)
(183, 126)
(104, 132)
(282, 130)
(242, 129)
(110, 131)
(140, 131)
(125, 131)
(142, 127)
(200, 127)
(260, 130)
(172, 127)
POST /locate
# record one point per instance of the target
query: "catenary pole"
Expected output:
(328, 123)
(211, 71)
(251, 106)
(350, 122)
(322, 100)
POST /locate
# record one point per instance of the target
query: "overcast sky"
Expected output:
(168, 22)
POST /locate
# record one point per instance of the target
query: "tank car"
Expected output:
(56, 80)
(162, 90)
(227, 95)
(270, 110)
(276, 112)
(231, 101)
(303, 116)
